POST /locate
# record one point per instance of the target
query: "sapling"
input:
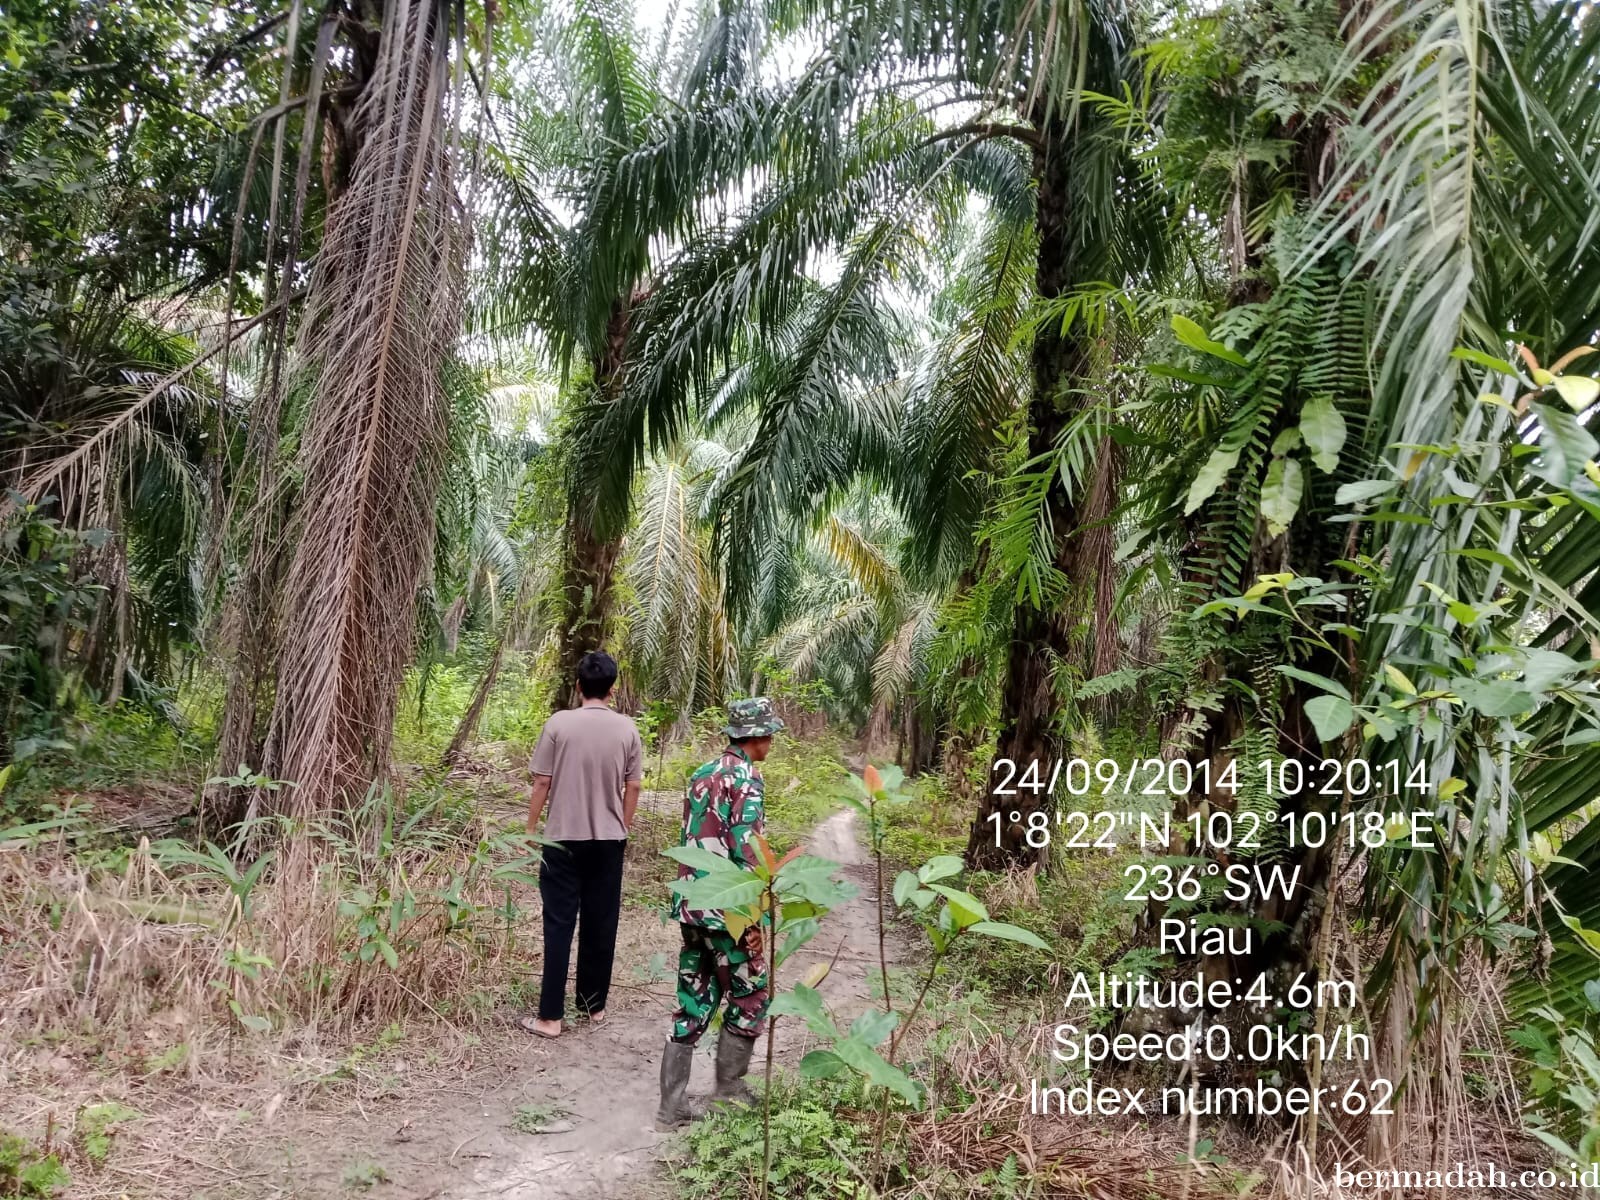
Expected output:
(786, 896)
(944, 913)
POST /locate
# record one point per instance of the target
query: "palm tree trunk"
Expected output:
(1040, 640)
(586, 600)
(592, 552)
(382, 311)
(468, 728)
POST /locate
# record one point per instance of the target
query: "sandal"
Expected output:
(527, 1024)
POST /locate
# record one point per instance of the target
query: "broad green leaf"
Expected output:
(806, 1003)
(822, 1064)
(904, 884)
(1579, 391)
(1324, 429)
(965, 908)
(819, 891)
(1330, 715)
(796, 935)
(720, 891)
(1544, 669)
(874, 1025)
(1210, 478)
(1588, 937)
(702, 859)
(1010, 933)
(1564, 446)
(1331, 686)
(1399, 679)
(866, 1061)
(1496, 698)
(1280, 494)
(1363, 490)
(806, 865)
(1191, 335)
(940, 866)
(1451, 786)
(1269, 583)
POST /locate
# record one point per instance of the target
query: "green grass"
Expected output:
(804, 783)
(820, 1140)
(934, 822)
(128, 748)
(804, 778)
(434, 700)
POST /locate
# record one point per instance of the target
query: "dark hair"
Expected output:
(597, 674)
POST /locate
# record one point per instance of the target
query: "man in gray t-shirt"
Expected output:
(588, 766)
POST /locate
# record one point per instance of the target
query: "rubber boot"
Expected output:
(675, 1111)
(733, 1061)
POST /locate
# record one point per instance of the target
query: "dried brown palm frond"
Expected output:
(383, 311)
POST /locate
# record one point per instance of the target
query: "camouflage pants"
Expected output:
(710, 965)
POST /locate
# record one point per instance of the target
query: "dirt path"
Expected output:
(595, 1089)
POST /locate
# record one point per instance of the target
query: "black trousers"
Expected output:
(580, 884)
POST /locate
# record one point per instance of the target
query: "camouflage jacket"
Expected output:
(722, 809)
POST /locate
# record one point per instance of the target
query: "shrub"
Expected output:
(28, 1173)
(817, 1136)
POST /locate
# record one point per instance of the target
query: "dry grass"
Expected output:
(210, 1008)
(306, 945)
(247, 1032)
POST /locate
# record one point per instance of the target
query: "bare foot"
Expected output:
(598, 1018)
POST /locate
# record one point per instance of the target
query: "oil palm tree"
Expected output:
(1377, 191)
(352, 493)
(613, 152)
(1498, 227)
(1027, 89)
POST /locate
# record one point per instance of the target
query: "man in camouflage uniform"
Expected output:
(722, 813)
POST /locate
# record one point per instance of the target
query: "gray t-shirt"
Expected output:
(589, 753)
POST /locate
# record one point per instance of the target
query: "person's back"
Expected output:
(588, 753)
(587, 766)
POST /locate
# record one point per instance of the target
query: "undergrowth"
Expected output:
(28, 1171)
(819, 1137)
(437, 696)
(804, 776)
(401, 905)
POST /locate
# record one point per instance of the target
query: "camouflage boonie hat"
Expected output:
(754, 717)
